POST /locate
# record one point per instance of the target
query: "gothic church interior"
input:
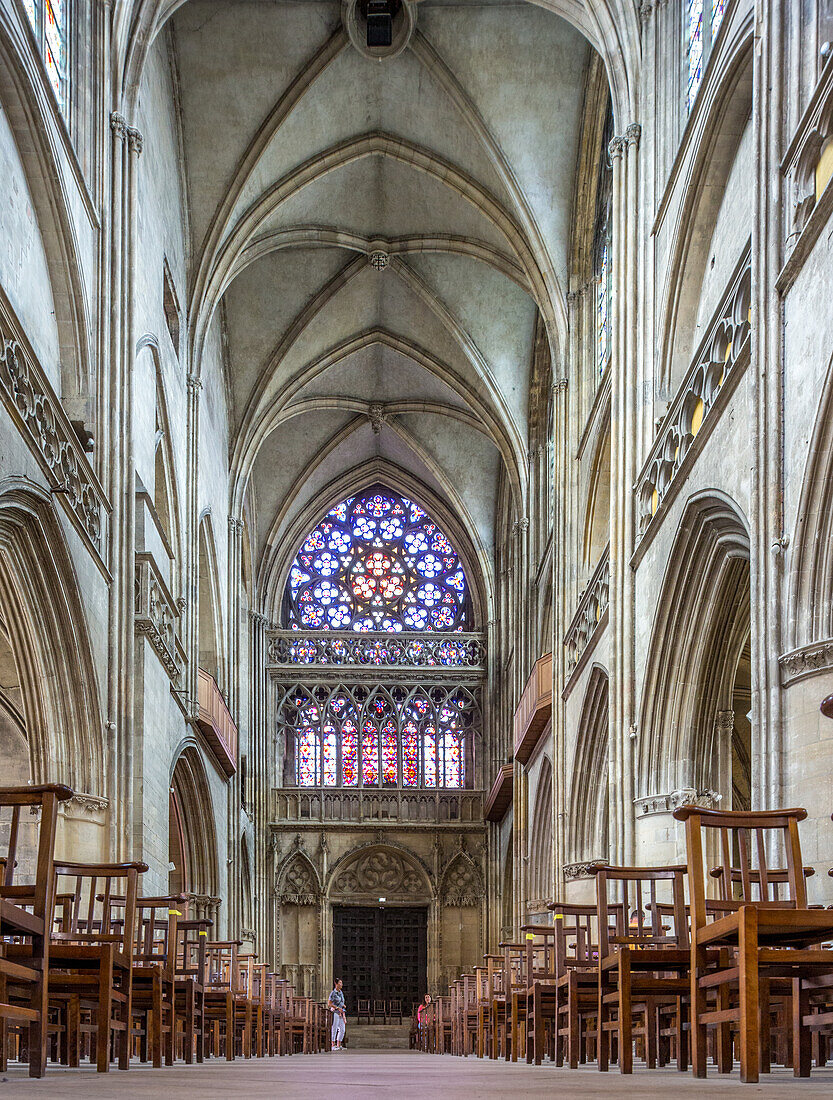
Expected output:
(416, 460)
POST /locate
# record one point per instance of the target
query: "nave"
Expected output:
(362, 1073)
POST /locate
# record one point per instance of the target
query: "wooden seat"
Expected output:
(645, 963)
(91, 957)
(26, 912)
(380, 1011)
(763, 937)
(190, 981)
(222, 1001)
(363, 1009)
(395, 1010)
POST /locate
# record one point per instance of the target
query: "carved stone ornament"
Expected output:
(668, 803)
(379, 872)
(379, 260)
(156, 615)
(462, 885)
(34, 407)
(299, 886)
(582, 869)
(807, 661)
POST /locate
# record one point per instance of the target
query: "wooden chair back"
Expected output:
(762, 846)
(641, 907)
(576, 930)
(155, 928)
(91, 915)
(223, 965)
(192, 949)
(539, 953)
(30, 883)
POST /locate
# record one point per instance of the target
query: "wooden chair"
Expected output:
(395, 1010)
(27, 896)
(154, 973)
(91, 957)
(511, 981)
(220, 1002)
(645, 963)
(380, 1011)
(190, 981)
(363, 1009)
(766, 937)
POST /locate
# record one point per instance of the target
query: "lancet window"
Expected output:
(50, 21)
(602, 250)
(702, 22)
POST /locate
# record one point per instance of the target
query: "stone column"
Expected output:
(191, 547)
(562, 468)
(235, 898)
(261, 757)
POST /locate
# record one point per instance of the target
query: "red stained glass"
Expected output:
(450, 761)
(349, 752)
(308, 758)
(390, 775)
(370, 755)
(410, 755)
(429, 757)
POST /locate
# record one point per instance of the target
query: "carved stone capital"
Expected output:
(194, 384)
(135, 141)
(582, 869)
(615, 148)
(376, 416)
(646, 10)
(118, 125)
(668, 803)
(806, 661)
(235, 525)
(633, 133)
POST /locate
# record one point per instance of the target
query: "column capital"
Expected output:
(560, 385)
(633, 133)
(646, 10)
(118, 124)
(194, 384)
(615, 148)
(235, 525)
(135, 141)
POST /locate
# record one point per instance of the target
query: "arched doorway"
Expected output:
(192, 848)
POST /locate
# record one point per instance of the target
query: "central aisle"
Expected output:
(405, 1074)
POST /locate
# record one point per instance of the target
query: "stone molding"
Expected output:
(809, 660)
(333, 650)
(39, 416)
(85, 807)
(537, 905)
(668, 803)
(156, 615)
(583, 869)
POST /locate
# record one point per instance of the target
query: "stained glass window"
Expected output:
(49, 19)
(377, 562)
(415, 735)
(702, 22)
(603, 307)
(602, 250)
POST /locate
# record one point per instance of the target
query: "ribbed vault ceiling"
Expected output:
(456, 160)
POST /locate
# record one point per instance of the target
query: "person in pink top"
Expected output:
(422, 1010)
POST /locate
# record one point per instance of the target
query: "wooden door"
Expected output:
(381, 953)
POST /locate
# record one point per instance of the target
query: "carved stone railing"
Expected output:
(36, 410)
(156, 615)
(712, 377)
(324, 650)
(336, 804)
(591, 614)
(806, 167)
(216, 723)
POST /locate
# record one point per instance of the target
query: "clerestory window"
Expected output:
(702, 19)
(50, 22)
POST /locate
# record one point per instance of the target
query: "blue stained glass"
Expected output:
(377, 562)
(694, 41)
(718, 11)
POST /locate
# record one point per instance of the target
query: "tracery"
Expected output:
(378, 564)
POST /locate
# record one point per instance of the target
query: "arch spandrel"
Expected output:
(377, 870)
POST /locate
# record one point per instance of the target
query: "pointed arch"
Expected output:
(597, 515)
(700, 631)
(298, 881)
(540, 873)
(589, 787)
(811, 573)
(211, 632)
(195, 822)
(44, 618)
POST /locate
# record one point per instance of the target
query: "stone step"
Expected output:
(377, 1036)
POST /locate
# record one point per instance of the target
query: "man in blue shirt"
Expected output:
(336, 1006)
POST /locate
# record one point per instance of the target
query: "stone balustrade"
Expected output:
(591, 613)
(720, 360)
(335, 804)
(344, 649)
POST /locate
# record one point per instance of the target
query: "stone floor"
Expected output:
(361, 1073)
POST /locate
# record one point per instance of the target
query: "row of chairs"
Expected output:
(88, 968)
(376, 1011)
(671, 964)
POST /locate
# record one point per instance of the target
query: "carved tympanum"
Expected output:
(377, 871)
(299, 886)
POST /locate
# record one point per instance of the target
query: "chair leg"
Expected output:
(105, 1011)
(748, 992)
(802, 1050)
(625, 1014)
(698, 1007)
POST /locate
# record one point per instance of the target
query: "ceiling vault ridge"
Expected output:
(283, 108)
(374, 143)
(277, 557)
(260, 422)
(552, 302)
(313, 235)
(388, 408)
